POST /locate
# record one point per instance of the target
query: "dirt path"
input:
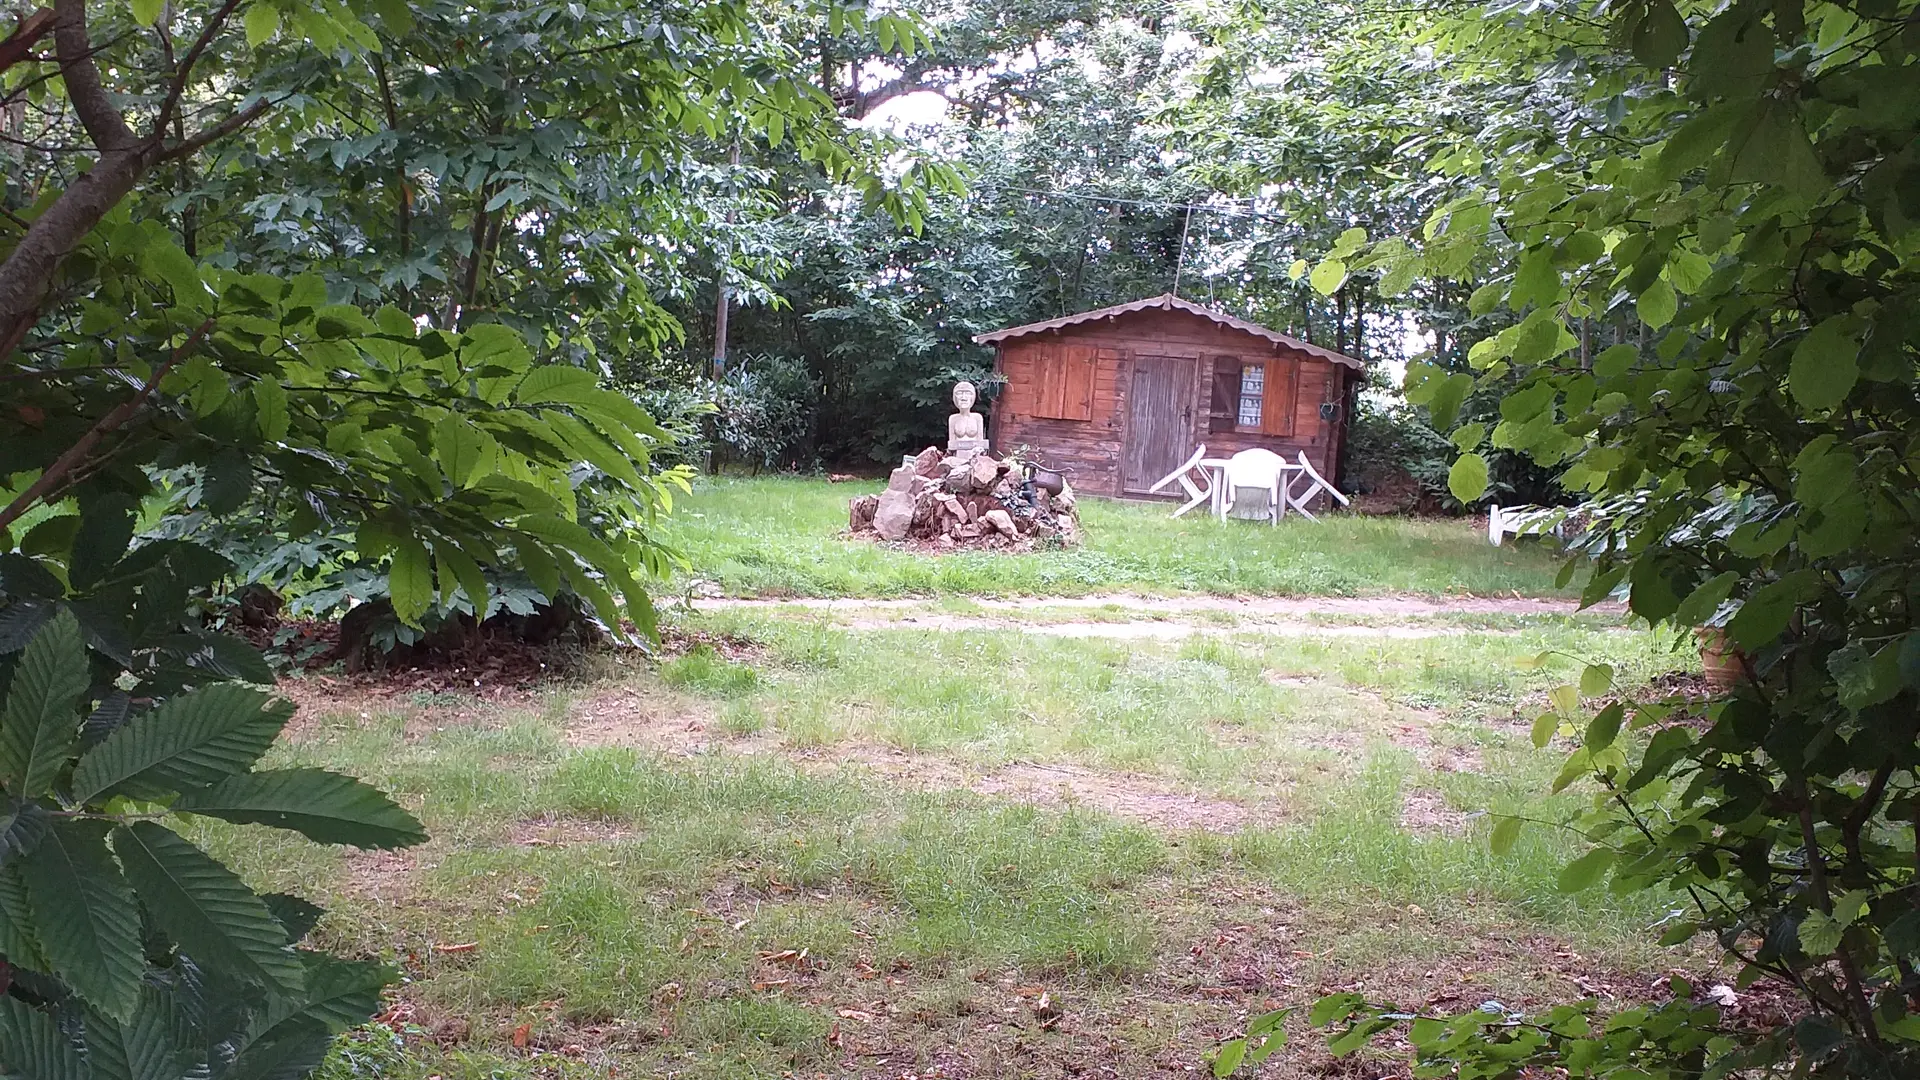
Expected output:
(1168, 618)
(1388, 606)
(1148, 630)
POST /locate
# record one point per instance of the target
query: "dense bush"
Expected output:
(760, 414)
(764, 408)
(1392, 449)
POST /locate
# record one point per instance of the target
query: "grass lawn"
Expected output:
(804, 847)
(779, 536)
(959, 835)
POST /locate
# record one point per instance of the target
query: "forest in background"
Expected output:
(496, 163)
(1109, 152)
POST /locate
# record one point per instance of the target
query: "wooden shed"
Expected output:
(1121, 396)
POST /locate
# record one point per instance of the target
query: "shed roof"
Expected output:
(1170, 302)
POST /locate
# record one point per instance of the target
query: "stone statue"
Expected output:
(966, 435)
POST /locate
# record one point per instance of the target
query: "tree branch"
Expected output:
(98, 114)
(19, 43)
(181, 74)
(32, 266)
(217, 132)
(76, 454)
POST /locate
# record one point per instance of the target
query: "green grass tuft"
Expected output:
(704, 670)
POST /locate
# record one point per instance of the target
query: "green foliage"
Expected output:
(431, 455)
(764, 408)
(177, 963)
(1751, 428)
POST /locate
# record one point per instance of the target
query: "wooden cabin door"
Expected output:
(1159, 420)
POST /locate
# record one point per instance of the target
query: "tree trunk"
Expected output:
(1359, 341)
(31, 268)
(1340, 319)
(402, 191)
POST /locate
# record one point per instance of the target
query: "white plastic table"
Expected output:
(1216, 469)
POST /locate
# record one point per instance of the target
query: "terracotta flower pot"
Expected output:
(1725, 666)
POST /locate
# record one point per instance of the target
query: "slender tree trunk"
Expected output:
(722, 297)
(720, 326)
(462, 295)
(402, 191)
(1340, 319)
(1359, 340)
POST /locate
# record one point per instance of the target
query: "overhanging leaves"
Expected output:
(191, 741)
(33, 1048)
(208, 911)
(40, 724)
(1826, 363)
(85, 917)
(142, 1046)
(323, 806)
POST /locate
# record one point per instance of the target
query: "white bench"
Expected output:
(1504, 521)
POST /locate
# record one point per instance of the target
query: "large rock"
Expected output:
(893, 517)
(861, 510)
(928, 462)
(1002, 522)
(985, 472)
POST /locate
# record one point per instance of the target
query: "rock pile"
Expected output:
(973, 500)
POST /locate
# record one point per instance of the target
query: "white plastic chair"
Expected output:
(1197, 491)
(1315, 484)
(1257, 468)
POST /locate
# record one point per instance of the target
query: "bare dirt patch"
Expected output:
(319, 698)
(649, 721)
(645, 722)
(1421, 732)
(381, 876)
(554, 831)
(1171, 618)
(1424, 810)
(1144, 799)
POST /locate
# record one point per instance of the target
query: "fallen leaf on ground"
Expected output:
(465, 946)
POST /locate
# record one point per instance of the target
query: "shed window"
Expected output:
(1253, 384)
(1253, 396)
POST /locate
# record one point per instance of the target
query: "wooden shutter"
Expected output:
(1223, 408)
(1079, 362)
(1063, 381)
(1276, 409)
(1046, 380)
